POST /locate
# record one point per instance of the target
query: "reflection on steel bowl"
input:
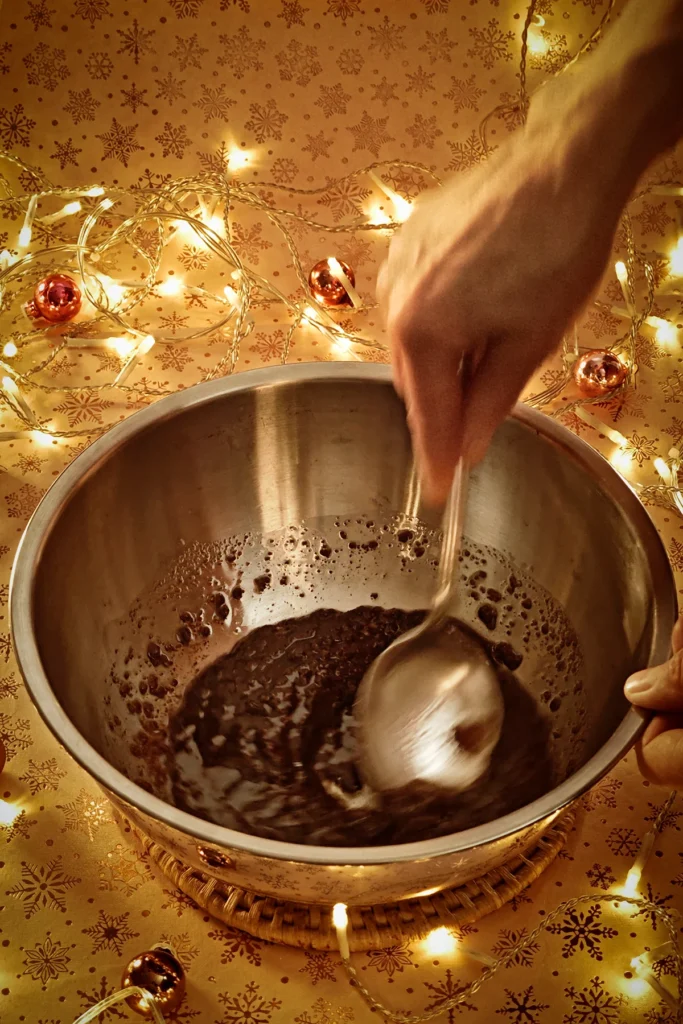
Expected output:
(145, 562)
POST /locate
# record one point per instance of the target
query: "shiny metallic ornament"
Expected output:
(599, 372)
(158, 972)
(56, 298)
(326, 288)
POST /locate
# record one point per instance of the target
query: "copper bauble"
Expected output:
(159, 973)
(599, 372)
(326, 288)
(56, 298)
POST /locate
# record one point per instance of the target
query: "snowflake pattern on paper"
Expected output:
(110, 931)
(21, 503)
(319, 966)
(507, 940)
(43, 775)
(119, 142)
(593, 1004)
(249, 1005)
(391, 960)
(85, 815)
(46, 66)
(583, 931)
(47, 960)
(522, 1007)
(43, 886)
(444, 990)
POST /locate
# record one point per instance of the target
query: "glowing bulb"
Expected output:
(25, 237)
(666, 333)
(620, 269)
(72, 207)
(107, 203)
(535, 41)
(96, 190)
(114, 292)
(636, 987)
(171, 286)
(10, 349)
(676, 259)
(122, 346)
(663, 471)
(6, 259)
(440, 942)
(632, 882)
(311, 314)
(8, 812)
(146, 344)
(238, 158)
(9, 385)
(378, 216)
(340, 920)
(621, 461)
(216, 224)
(403, 208)
(42, 438)
(230, 294)
(343, 343)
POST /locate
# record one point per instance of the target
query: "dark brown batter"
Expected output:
(262, 728)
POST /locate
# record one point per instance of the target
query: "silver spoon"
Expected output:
(430, 709)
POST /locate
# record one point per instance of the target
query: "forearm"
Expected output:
(620, 107)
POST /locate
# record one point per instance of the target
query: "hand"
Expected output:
(493, 266)
(660, 689)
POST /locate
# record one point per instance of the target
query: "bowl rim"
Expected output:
(546, 807)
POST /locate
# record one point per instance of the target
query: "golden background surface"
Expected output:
(132, 92)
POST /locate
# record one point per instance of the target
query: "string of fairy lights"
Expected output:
(68, 300)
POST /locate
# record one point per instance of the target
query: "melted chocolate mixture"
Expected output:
(262, 729)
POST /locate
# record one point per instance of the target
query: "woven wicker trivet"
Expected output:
(308, 926)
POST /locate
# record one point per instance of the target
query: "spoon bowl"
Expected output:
(430, 708)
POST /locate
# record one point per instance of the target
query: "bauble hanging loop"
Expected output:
(56, 298)
(599, 372)
(159, 972)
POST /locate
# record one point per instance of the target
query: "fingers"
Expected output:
(431, 378)
(660, 752)
(500, 376)
(659, 688)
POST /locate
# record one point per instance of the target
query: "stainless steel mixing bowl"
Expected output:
(133, 532)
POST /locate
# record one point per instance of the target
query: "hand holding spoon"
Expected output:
(429, 708)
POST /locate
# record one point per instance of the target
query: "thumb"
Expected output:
(659, 688)
(660, 751)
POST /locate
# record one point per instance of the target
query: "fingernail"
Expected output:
(636, 687)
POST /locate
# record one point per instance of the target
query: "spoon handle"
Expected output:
(453, 522)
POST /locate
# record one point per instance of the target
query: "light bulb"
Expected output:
(440, 942)
(8, 812)
(42, 438)
(238, 158)
(96, 190)
(171, 286)
(25, 237)
(107, 203)
(216, 224)
(10, 349)
(72, 207)
(676, 259)
(122, 346)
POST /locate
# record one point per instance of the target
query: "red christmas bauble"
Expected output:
(159, 973)
(56, 298)
(326, 288)
(599, 372)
